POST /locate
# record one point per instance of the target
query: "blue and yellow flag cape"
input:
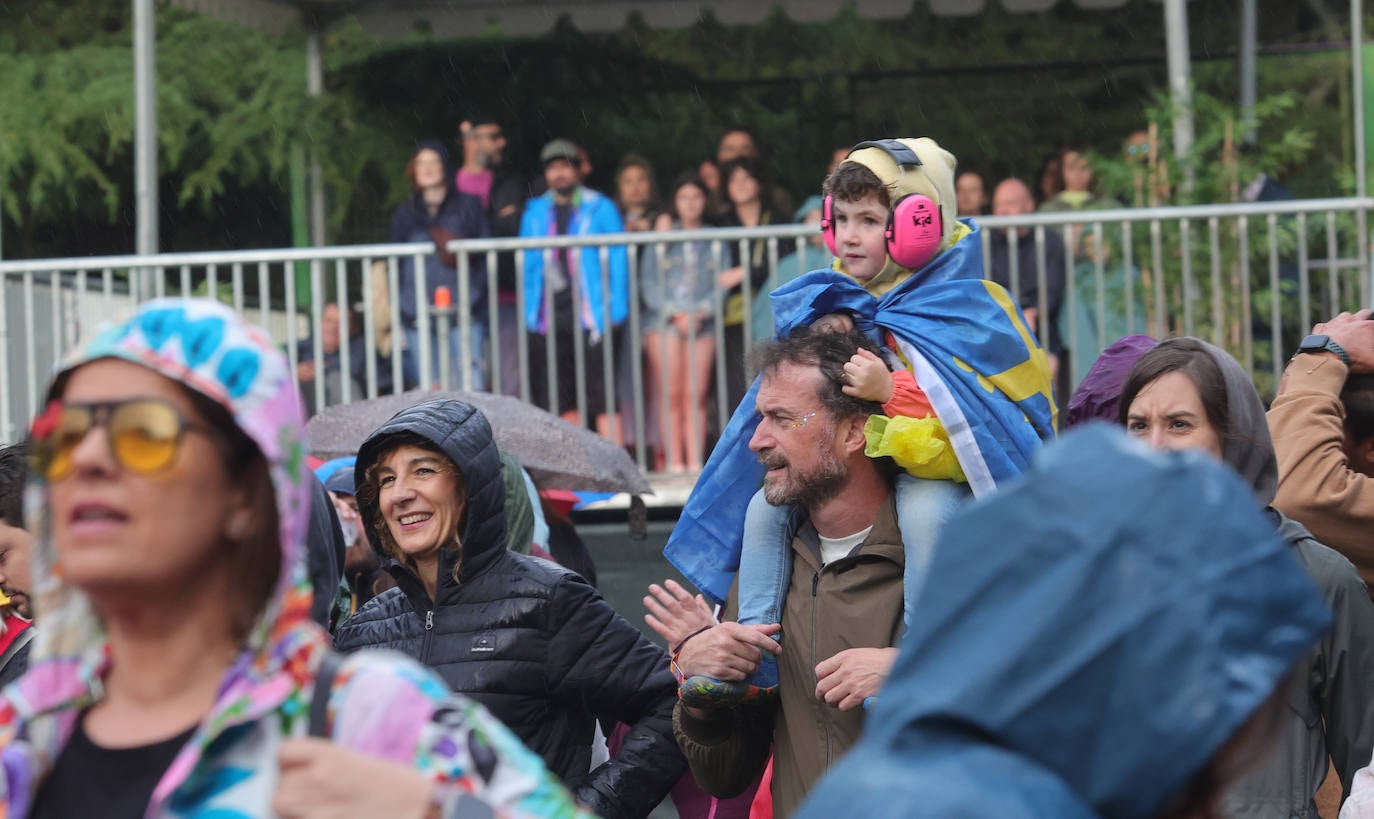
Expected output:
(971, 352)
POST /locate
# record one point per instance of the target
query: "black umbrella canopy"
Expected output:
(557, 454)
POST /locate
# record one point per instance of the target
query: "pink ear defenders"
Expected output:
(914, 228)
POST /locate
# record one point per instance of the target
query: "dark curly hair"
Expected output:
(851, 182)
(13, 477)
(828, 352)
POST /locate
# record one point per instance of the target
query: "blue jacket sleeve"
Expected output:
(607, 220)
(534, 263)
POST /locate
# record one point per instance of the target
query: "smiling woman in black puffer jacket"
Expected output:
(534, 643)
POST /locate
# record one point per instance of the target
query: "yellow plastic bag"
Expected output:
(918, 445)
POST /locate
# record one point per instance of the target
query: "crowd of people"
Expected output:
(914, 597)
(575, 317)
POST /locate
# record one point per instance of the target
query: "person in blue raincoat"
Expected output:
(1107, 638)
(570, 297)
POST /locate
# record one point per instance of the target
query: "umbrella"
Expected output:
(557, 454)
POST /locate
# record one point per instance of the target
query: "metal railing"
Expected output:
(1244, 276)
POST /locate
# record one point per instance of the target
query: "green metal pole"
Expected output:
(300, 222)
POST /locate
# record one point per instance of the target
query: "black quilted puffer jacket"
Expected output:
(534, 643)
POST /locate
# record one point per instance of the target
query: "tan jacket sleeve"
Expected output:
(1317, 487)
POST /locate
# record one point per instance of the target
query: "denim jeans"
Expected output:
(765, 562)
(474, 355)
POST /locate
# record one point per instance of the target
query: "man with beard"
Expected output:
(843, 611)
(568, 300)
(16, 578)
(487, 174)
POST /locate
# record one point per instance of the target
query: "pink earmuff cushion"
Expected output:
(828, 224)
(914, 231)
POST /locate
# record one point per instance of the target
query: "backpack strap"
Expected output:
(324, 686)
(21, 639)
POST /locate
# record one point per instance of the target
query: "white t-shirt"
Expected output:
(834, 548)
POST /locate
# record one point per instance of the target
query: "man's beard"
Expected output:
(807, 490)
(566, 191)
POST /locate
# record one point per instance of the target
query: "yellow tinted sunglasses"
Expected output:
(144, 434)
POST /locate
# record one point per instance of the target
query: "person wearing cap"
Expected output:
(569, 299)
(363, 578)
(437, 212)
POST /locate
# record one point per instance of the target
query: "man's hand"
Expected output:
(853, 675)
(320, 780)
(729, 651)
(674, 613)
(1354, 332)
(305, 371)
(867, 377)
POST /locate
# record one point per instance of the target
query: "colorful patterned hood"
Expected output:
(210, 349)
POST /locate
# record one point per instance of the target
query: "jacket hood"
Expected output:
(462, 433)
(1098, 398)
(519, 511)
(206, 347)
(439, 148)
(1249, 450)
(934, 179)
(1100, 651)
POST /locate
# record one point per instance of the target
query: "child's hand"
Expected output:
(833, 323)
(867, 377)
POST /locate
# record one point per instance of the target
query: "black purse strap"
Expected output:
(319, 700)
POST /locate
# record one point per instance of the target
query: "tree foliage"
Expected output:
(999, 89)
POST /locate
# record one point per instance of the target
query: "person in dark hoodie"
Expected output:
(1187, 394)
(1106, 639)
(437, 212)
(534, 643)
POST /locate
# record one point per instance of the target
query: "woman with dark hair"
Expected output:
(635, 193)
(1049, 179)
(531, 641)
(678, 284)
(1187, 394)
(436, 212)
(1077, 189)
(177, 672)
(746, 195)
(1108, 638)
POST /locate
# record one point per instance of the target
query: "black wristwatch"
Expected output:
(1317, 343)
